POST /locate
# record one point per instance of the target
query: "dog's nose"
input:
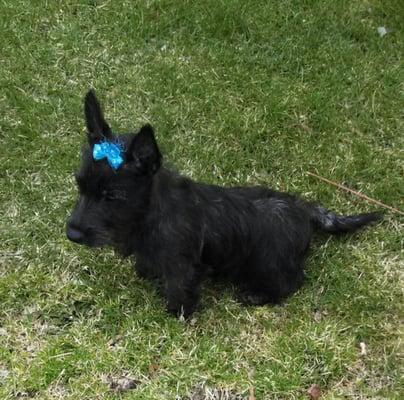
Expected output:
(74, 234)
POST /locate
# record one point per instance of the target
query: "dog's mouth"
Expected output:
(86, 237)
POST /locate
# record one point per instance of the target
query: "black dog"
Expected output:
(180, 230)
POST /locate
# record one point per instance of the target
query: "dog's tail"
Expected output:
(327, 221)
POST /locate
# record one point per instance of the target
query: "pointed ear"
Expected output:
(143, 153)
(97, 128)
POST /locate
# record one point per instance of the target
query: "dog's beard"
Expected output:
(96, 237)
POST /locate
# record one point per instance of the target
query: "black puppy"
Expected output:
(180, 230)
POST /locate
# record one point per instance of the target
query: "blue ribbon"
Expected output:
(111, 151)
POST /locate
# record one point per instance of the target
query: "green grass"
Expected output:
(240, 92)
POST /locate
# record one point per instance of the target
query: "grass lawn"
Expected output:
(240, 92)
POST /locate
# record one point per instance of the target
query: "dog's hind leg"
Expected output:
(271, 282)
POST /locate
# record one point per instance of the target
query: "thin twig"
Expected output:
(363, 196)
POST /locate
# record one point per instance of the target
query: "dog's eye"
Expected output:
(107, 195)
(111, 195)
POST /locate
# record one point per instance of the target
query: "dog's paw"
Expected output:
(180, 311)
(253, 299)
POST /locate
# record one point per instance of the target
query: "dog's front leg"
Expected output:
(182, 289)
(146, 270)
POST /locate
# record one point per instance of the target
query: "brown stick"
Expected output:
(363, 196)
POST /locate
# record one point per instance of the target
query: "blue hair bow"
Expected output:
(111, 151)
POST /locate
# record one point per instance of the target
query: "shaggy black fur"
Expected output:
(180, 230)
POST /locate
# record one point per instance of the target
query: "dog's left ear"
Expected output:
(143, 153)
(97, 127)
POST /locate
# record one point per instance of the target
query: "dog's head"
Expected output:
(114, 180)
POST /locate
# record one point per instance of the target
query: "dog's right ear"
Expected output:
(97, 127)
(143, 154)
